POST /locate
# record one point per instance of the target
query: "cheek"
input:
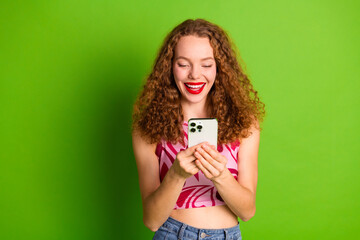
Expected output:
(211, 74)
(179, 74)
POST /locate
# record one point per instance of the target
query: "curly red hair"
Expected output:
(233, 101)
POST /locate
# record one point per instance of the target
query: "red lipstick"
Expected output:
(195, 87)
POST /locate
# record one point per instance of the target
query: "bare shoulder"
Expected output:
(139, 142)
(248, 159)
(253, 138)
(147, 164)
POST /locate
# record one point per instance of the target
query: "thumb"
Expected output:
(191, 150)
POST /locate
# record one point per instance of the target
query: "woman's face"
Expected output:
(194, 68)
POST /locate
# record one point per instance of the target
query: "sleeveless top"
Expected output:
(198, 191)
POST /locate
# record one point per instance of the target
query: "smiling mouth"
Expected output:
(194, 85)
(194, 88)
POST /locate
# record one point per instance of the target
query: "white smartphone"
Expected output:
(202, 130)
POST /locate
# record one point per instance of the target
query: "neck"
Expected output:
(194, 110)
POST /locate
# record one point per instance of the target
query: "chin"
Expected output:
(195, 99)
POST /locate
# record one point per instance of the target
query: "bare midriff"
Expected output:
(206, 217)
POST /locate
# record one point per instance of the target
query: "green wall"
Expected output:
(70, 71)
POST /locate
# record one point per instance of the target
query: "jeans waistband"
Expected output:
(180, 227)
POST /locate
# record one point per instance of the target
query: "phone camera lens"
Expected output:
(199, 127)
(192, 124)
(192, 130)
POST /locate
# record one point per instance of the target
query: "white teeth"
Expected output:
(194, 86)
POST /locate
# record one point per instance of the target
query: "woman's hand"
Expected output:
(184, 164)
(210, 161)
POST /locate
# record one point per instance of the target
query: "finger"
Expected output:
(210, 168)
(213, 153)
(187, 155)
(203, 169)
(209, 158)
(190, 160)
(195, 169)
(191, 150)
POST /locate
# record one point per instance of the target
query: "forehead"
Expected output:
(193, 47)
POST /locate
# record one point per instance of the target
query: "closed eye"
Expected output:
(180, 65)
(207, 66)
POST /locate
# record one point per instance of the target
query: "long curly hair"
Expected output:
(157, 113)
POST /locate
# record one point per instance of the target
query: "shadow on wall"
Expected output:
(116, 80)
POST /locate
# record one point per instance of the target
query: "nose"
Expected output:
(194, 73)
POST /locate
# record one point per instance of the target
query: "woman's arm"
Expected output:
(238, 195)
(159, 199)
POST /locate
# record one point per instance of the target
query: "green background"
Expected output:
(70, 71)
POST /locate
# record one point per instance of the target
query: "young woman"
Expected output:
(197, 192)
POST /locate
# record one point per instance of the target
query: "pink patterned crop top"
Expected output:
(198, 191)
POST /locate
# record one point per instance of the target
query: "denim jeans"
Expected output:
(175, 230)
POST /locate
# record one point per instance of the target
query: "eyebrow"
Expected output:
(207, 58)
